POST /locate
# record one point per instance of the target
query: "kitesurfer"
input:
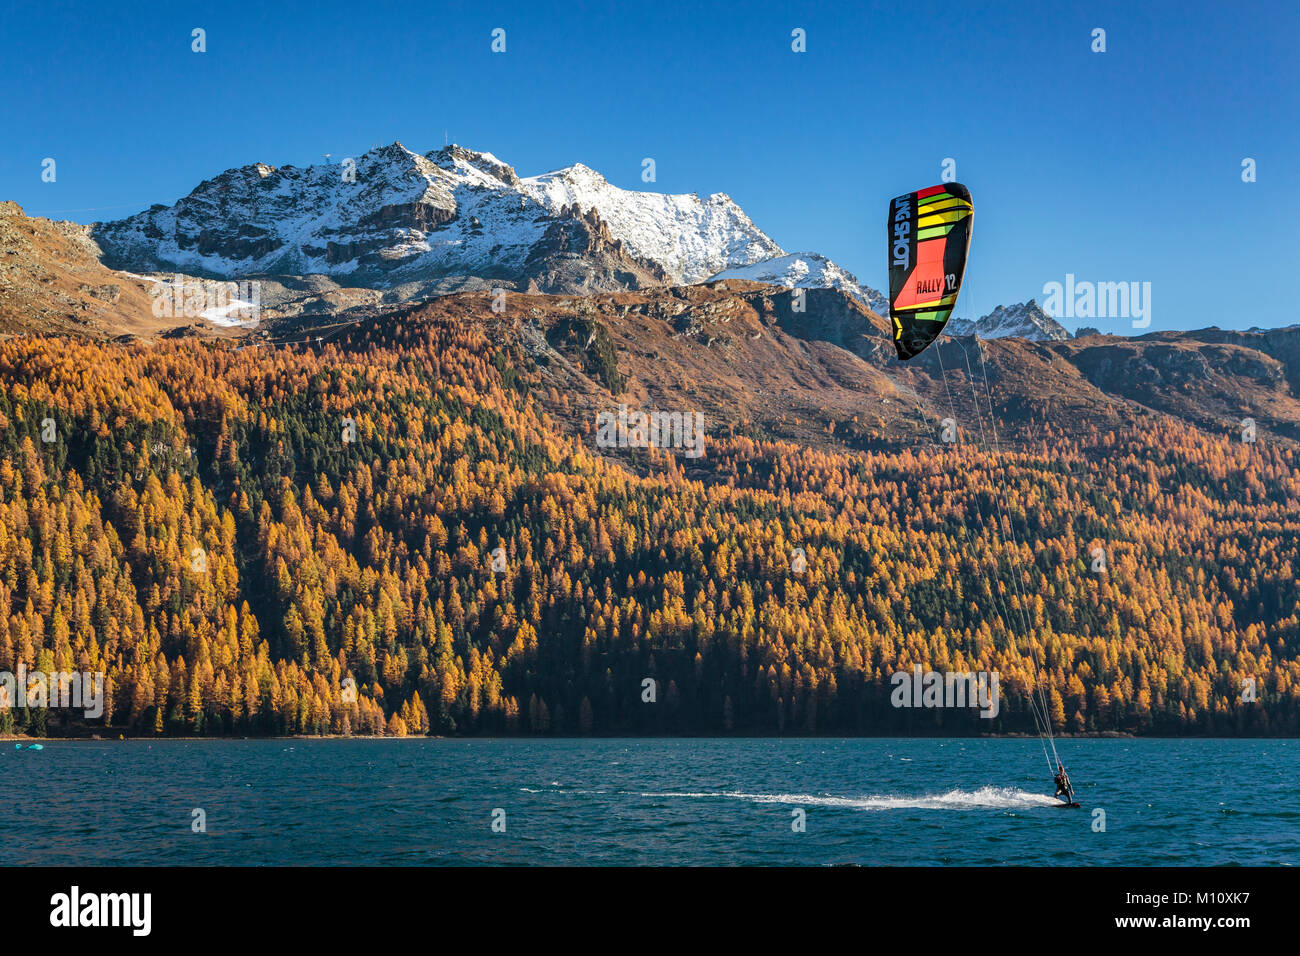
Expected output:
(1063, 787)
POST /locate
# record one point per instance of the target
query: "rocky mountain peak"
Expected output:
(456, 158)
(1025, 320)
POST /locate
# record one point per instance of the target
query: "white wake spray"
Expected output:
(985, 798)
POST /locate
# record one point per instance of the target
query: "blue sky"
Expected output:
(1116, 166)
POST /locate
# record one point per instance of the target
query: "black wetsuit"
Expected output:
(1063, 788)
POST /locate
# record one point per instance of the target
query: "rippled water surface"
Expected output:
(695, 801)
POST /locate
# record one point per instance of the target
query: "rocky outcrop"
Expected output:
(578, 253)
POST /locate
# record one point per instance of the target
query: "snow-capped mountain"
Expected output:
(1024, 321)
(396, 216)
(808, 270)
(690, 238)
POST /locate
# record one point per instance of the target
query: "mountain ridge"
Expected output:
(801, 370)
(393, 216)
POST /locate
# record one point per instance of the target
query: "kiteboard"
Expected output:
(1068, 806)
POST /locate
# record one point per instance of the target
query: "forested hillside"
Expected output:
(301, 540)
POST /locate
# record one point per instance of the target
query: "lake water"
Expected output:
(687, 801)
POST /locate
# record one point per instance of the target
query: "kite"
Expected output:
(929, 240)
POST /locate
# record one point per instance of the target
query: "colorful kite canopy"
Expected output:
(929, 239)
